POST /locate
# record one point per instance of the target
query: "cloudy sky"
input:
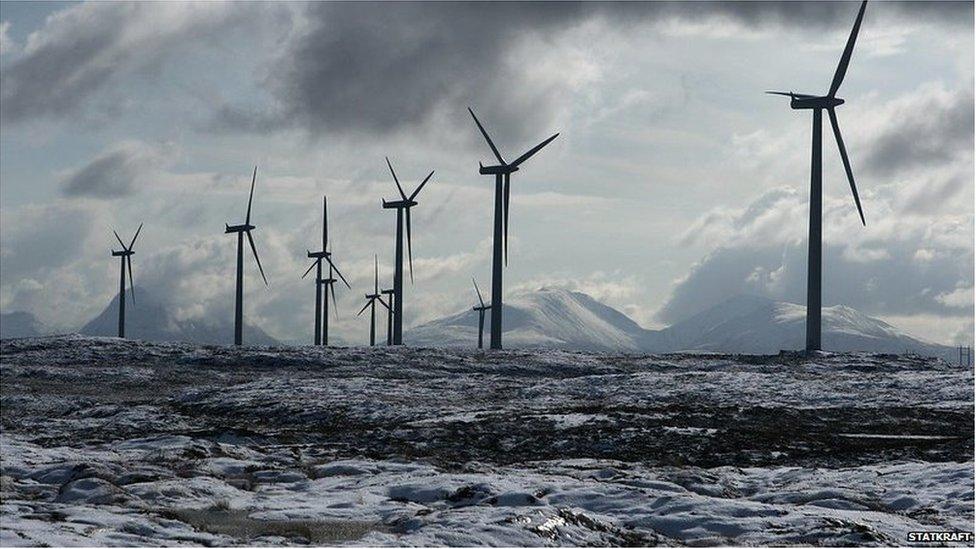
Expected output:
(674, 184)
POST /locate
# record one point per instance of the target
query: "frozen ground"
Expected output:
(107, 442)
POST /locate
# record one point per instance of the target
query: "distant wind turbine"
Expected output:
(502, 172)
(322, 320)
(817, 104)
(241, 230)
(389, 314)
(371, 300)
(401, 206)
(125, 258)
(481, 308)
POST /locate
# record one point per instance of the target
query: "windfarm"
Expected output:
(688, 337)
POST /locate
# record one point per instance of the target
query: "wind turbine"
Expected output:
(818, 104)
(371, 300)
(389, 315)
(401, 206)
(481, 314)
(125, 258)
(502, 172)
(322, 320)
(241, 230)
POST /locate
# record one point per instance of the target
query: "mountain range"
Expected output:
(148, 319)
(558, 318)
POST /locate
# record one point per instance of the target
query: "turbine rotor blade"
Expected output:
(383, 303)
(325, 224)
(785, 94)
(397, 181)
(533, 150)
(135, 237)
(132, 283)
(409, 246)
(845, 58)
(479, 291)
(250, 197)
(847, 162)
(335, 303)
(421, 186)
(117, 237)
(508, 189)
(376, 275)
(310, 267)
(491, 144)
(366, 306)
(332, 266)
(254, 250)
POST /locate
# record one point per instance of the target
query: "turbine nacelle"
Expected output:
(496, 169)
(393, 204)
(825, 102)
(247, 227)
(318, 255)
(122, 253)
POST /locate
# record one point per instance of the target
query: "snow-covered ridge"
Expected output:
(558, 318)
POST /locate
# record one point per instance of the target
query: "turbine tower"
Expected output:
(481, 314)
(125, 258)
(371, 300)
(322, 319)
(241, 230)
(402, 207)
(818, 104)
(502, 172)
(389, 315)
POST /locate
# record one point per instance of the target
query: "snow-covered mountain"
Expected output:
(751, 324)
(548, 317)
(20, 324)
(563, 319)
(148, 319)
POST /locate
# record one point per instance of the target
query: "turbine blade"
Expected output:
(310, 267)
(117, 237)
(135, 237)
(479, 291)
(421, 186)
(366, 306)
(250, 197)
(335, 303)
(508, 189)
(397, 181)
(847, 162)
(132, 283)
(376, 275)
(845, 58)
(254, 250)
(533, 150)
(409, 246)
(332, 266)
(786, 94)
(491, 144)
(383, 303)
(325, 224)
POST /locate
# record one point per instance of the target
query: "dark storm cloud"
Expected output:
(113, 174)
(373, 68)
(82, 50)
(925, 134)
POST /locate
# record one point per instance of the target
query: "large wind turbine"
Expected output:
(818, 104)
(481, 314)
(401, 206)
(322, 320)
(125, 258)
(502, 173)
(371, 300)
(241, 230)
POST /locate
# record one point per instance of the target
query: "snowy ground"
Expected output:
(106, 442)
